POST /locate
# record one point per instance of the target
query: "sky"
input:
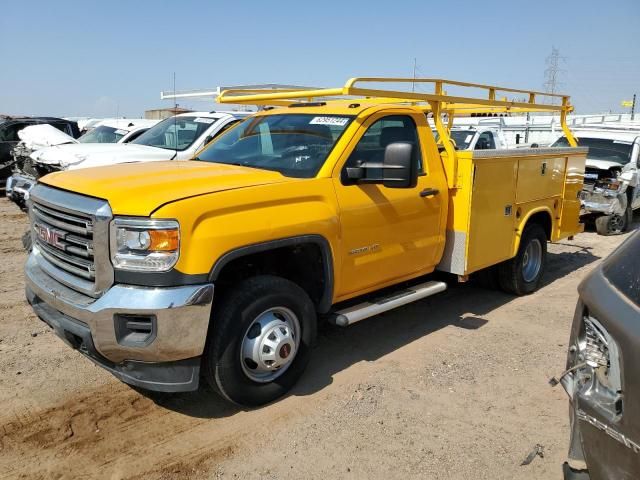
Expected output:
(105, 59)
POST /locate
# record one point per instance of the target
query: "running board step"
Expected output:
(348, 316)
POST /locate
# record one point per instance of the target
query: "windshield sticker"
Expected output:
(121, 132)
(208, 121)
(336, 121)
(468, 139)
(623, 142)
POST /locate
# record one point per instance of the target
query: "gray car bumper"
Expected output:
(149, 337)
(602, 203)
(18, 187)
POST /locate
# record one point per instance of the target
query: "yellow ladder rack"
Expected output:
(438, 102)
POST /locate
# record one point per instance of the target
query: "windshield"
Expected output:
(462, 138)
(618, 151)
(103, 134)
(296, 145)
(175, 133)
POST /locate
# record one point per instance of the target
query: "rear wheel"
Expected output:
(260, 341)
(522, 274)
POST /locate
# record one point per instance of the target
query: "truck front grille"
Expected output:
(65, 240)
(70, 237)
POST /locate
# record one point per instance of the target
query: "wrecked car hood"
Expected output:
(85, 155)
(140, 188)
(602, 164)
(36, 137)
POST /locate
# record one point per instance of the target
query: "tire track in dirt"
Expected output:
(116, 432)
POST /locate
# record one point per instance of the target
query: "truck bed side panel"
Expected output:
(499, 191)
(491, 228)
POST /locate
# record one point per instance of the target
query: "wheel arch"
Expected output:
(259, 251)
(542, 216)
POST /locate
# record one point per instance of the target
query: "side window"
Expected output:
(372, 145)
(485, 142)
(222, 130)
(135, 135)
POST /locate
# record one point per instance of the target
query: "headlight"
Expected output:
(144, 244)
(610, 184)
(599, 381)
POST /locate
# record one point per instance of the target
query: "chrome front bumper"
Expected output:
(179, 315)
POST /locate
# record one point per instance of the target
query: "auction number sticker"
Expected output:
(121, 132)
(208, 121)
(336, 121)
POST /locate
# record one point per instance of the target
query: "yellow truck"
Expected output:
(221, 267)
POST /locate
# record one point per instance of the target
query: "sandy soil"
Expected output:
(452, 387)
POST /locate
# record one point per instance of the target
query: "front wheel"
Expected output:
(260, 340)
(522, 274)
(614, 224)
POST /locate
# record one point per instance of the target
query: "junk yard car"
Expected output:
(175, 138)
(222, 267)
(9, 128)
(45, 140)
(601, 378)
(612, 179)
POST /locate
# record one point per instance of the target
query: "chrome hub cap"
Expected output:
(532, 260)
(270, 344)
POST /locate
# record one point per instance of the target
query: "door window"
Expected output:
(372, 145)
(485, 141)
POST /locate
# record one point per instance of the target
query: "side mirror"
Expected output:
(400, 168)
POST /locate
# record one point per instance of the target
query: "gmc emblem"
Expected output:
(50, 236)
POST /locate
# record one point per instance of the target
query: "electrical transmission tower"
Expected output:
(552, 73)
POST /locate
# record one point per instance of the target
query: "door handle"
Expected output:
(429, 192)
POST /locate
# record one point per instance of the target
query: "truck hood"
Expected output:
(84, 155)
(140, 188)
(602, 164)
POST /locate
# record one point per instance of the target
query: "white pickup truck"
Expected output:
(477, 138)
(175, 138)
(612, 178)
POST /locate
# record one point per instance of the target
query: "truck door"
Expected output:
(388, 233)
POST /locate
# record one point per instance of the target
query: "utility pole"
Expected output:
(552, 73)
(633, 106)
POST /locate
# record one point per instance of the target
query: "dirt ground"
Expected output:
(452, 387)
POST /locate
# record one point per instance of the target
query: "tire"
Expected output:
(518, 275)
(26, 241)
(614, 224)
(246, 318)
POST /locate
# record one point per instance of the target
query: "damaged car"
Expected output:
(43, 138)
(9, 128)
(611, 185)
(601, 378)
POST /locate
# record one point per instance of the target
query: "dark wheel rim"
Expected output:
(532, 260)
(616, 224)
